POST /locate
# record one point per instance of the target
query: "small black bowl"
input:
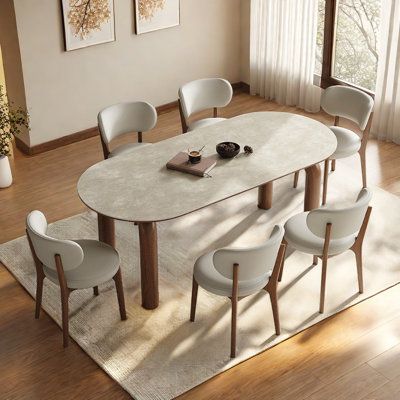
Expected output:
(228, 149)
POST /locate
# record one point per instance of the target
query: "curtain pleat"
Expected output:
(282, 52)
(386, 121)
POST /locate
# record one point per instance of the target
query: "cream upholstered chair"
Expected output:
(118, 119)
(200, 95)
(327, 232)
(356, 106)
(237, 273)
(72, 265)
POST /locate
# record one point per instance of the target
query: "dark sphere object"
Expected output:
(248, 149)
(228, 149)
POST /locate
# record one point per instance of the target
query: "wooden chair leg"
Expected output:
(325, 255)
(120, 294)
(281, 271)
(325, 188)
(96, 290)
(358, 254)
(357, 249)
(323, 285)
(315, 260)
(234, 301)
(183, 119)
(195, 288)
(275, 310)
(65, 291)
(283, 263)
(39, 292)
(333, 165)
(296, 179)
(363, 168)
(65, 317)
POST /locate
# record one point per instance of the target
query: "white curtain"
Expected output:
(386, 121)
(282, 51)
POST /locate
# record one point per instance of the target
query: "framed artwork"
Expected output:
(151, 15)
(87, 22)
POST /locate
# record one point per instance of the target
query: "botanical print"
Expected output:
(87, 22)
(152, 15)
(85, 16)
(147, 8)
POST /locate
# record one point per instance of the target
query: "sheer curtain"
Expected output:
(282, 51)
(386, 122)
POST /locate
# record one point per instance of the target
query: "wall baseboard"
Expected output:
(54, 144)
(91, 132)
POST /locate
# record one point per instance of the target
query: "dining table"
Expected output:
(137, 186)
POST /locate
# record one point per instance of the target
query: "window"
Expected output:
(320, 37)
(347, 42)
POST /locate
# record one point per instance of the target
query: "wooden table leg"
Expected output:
(313, 187)
(265, 196)
(149, 264)
(106, 229)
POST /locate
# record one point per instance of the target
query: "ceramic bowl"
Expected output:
(228, 149)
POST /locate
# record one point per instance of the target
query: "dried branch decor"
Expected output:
(147, 8)
(86, 16)
(151, 15)
(12, 120)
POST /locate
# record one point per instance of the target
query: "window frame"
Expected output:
(327, 79)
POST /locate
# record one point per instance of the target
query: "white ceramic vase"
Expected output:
(5, 172)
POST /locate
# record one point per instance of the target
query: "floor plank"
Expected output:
(388, 391)
(388, 363)
(355, 385)
(340, 360)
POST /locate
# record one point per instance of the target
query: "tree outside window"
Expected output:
(355, 41)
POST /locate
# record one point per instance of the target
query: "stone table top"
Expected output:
(138, 186)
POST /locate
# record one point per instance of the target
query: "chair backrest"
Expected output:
(345, 221)
(253, 262)
(118, 119)
(348, 102)
(47, 247)
(206, 93)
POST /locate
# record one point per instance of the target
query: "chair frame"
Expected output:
(184, 123)
(66, 291)
(107, 152)
(361, 152)
(356, 248)
(270, 287)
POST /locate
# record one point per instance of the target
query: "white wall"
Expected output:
(65, 90)
(11, 56)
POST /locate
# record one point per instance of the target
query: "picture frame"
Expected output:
(87, 23)
(153, 15)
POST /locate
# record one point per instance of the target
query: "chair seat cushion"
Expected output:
(201, 123)
(100, 264)
(210, 279)
(299, 236)
(127, 148)
(348, 142)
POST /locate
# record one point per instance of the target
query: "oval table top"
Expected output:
(138, 186)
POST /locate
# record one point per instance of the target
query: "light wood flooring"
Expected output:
(353, 355)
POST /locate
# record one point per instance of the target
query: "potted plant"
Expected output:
(11, 122)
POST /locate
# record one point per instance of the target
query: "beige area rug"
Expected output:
(160, 354)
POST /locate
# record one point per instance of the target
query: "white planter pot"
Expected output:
(5, 172)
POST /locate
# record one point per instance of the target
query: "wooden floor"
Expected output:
(353, 355)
